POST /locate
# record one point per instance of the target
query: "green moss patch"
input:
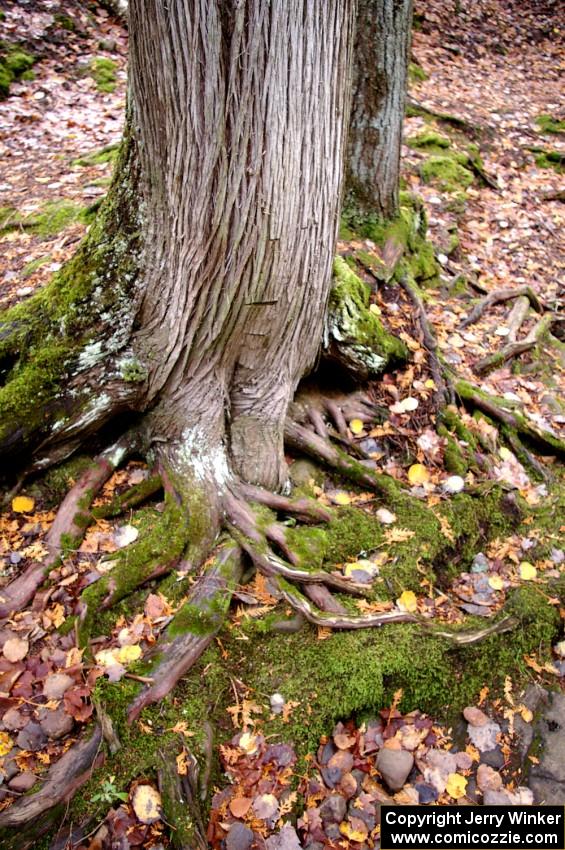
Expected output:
(429, 140)
(103, 72)
(98, 157)
(15, 64)
(416, 73)
(446, 173)
(549, 124)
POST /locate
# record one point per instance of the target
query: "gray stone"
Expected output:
(333, 809)
(484, 737)
(480, 563)
(56, 684)
(22, 782)
(55, 723)
(286, 839)
(239, 837)
(493, 758)
(394, 766)
(302, 472)
(32, 738)
(547, 779)
(497, 798)
(13, 720)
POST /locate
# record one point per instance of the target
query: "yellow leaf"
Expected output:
(127, 654)
(407, 601)
(22, 504)
(456, 785)
(527, 571)
(352, 834)
(496, 582)
(6, 743)
(146, 802)
(505, 453)
(418, 474)
(182, 763)
(248, 743)
(374, 308)
(341, 499)
(527, 715)
(356, 426)
(430, 384)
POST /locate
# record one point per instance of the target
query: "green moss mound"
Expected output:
(98, 157)
(15, 64)
(446, 173)
(429, 140)
(103, 72)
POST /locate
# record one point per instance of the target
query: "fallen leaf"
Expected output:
(248, 743)
(385, 516)
(407, 601)
(182, 763)
(6, 744)
(128, 654)
(456, 785)
(22, 504)
(418, 474)
(405, 406)
(356, 426)
(146, 802)
(527, 571)
(496, 583)
(239, 806)
(341, 499)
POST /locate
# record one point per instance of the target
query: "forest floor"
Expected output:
(487, 161)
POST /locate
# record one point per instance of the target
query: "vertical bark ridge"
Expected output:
(242, 129)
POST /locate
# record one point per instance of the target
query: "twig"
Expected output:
(498, 295)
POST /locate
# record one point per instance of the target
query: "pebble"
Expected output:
(56, 684)
(497, 798)
(493, 758)
(32, 738)
(55, 723)
(474, 716)
(426, 793)
(239, 837)
(480, 563)
(488, 779)
(13, 720)
(23, 781)
(277, 702)
(394, 766)
(333, 809)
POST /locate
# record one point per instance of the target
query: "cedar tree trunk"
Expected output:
(380, 65)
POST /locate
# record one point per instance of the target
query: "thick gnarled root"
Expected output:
(194, 626)
(69, 525)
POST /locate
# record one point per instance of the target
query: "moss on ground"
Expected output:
(103, 72)
(416, 73)
(429, 140)
(446, 173)
(549, 124)
(15, 64)
(99, 157)
(41, 340)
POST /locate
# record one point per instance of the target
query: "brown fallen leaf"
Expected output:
(146, 802)
(15, 649)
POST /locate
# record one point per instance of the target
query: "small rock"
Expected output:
(32, 737)
(394, 766)
(426, 793)
(493, 758)
(557, 556)
(488, 779)
(480, 563)
(333, 809)
(303, 473)
(333, 833)
(10, 767)
(56, 684)
(497, 798)
(474, 716)
(22, 782)
(277, 702)
(443, 760)
(239, 837)
(13, 720)
(331, 776)
(484, 737)
(55, 723)
(463, 761)
(454, 484)
(15, 558)
(343, 760)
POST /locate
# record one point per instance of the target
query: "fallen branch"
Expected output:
(514, 349)
(498, 295)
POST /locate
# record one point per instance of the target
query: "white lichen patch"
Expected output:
(206, 462)
(90, 356)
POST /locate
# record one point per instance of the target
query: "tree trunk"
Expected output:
(381, 55)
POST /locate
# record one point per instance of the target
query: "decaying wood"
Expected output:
(514, 349)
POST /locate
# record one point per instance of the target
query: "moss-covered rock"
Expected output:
(429, 140)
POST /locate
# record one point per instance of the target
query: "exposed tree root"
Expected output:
(28, 814)
(514, 349)
(68, 526)
(181, 802)
(194, 627)
(443, 393)
(498, 295)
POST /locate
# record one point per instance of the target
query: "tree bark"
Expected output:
(381, 56)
